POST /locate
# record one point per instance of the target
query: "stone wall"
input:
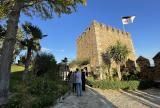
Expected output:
(145, 68)
(156, 59)
(147, 71)
(97, 38)
(87, 46)
(107, 36)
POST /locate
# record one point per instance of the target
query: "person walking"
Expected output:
(70, 81)
(83, 79)
(86, 71)
(74, 82)
(78, 82)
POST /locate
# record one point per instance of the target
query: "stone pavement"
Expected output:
(120, 100)
(97, 98)
(149, 97)
(90, 99)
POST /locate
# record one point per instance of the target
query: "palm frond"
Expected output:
(32, 31)
(119, 52)
(36, 47)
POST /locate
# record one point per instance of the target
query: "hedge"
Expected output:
(125, 85)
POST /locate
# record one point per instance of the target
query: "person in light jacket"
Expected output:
(78, 83)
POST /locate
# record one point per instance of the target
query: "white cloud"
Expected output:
(46, 50)
(62, 50)
(49, 50)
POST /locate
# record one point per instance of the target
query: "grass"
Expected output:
(16, 68)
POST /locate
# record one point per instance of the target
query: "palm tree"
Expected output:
(65, 60)
(33, 35)
(108, 62)
(119, 54)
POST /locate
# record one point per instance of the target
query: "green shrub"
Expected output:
(15, 80)
(46, 92)
(114, 84)
(43, 63)
(37, 92)
(40, 86)
(43, 101)
(145, 84)
(133, 85)
(84, 62)
(79, 62)
(130, 75)
(20, 98)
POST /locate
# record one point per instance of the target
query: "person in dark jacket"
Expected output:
(74, 81)
(86, 71)
(70, 81)
(83, 76)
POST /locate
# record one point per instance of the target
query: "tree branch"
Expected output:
(29, 4)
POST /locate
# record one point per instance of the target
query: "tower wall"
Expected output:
(107, 36)
(87, 46)
(97, 38)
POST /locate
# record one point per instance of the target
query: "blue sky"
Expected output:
(63, 31)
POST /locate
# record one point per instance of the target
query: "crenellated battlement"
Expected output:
(95, 25)
(109, 28)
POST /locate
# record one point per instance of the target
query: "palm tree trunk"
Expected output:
(119, 72)
(101, 73)
(7, 50)
(27, 63)
(110, 71)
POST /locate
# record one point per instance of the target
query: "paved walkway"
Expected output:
(90, 99)
(97, 98)
(121, 100)
(149, 97)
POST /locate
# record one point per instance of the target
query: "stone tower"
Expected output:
(97, 38)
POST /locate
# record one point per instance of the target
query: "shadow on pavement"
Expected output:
(102, 98)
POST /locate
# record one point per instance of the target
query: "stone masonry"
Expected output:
(97, 38)
(156, 59)
(147, 71)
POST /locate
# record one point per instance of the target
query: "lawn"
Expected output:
(16, 68)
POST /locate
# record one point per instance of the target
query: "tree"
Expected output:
(65, 61)
(46, 9)
(45, 63)
(2, 35)
(3, 10)
(108, 62)
(21, 60)
(33, 35)
(18, 46)
(119, 53)
(2, 32)
(19, 37)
